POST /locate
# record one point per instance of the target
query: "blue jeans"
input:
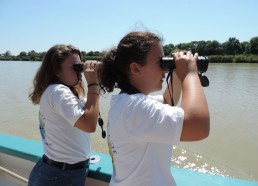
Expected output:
(43, 174)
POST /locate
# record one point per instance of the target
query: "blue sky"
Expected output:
(100, 24)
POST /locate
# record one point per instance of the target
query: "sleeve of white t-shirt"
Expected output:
(66, 104)
(150, 120)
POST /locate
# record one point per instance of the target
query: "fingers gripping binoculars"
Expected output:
(168, 64)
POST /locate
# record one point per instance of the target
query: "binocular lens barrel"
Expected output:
(168, 64)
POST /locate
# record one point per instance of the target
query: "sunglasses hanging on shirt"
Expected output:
(101, 124)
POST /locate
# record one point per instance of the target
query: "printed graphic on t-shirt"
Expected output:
(42, 128)
(112, 151)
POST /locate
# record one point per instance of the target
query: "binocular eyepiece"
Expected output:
(168, 64)
(78, 67)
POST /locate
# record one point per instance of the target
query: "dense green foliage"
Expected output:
(207, 48)
(230, 51)
(34, 56)
(233, 58)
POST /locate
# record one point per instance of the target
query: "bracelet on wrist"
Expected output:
(93, 84)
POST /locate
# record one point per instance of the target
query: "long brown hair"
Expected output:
(46, 74)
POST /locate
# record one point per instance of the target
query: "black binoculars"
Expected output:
(168, 64)
(78, 66)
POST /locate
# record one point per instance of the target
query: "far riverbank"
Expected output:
(247, 58)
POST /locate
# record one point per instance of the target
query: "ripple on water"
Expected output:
(183, 158)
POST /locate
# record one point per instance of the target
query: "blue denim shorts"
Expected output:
(43, 174)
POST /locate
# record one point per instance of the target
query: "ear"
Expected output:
(135, 68)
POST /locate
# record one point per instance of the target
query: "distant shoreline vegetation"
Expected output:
(231, 51)
(212, 59)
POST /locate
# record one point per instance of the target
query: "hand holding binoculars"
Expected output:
(168, 64)
(78, 66)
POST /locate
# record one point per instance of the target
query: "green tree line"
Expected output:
(230, 51)
(38, 56)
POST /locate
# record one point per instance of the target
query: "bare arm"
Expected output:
(196, 124)
(88, 121)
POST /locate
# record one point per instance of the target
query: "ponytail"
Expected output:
(107, 74)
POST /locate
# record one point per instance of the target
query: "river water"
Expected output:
(230, 150)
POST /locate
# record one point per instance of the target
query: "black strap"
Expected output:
(101, 124)
(129, 89)
(171, 84)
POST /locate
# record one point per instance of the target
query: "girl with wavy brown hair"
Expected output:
(66, 116)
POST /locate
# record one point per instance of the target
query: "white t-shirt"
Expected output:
(58, 112)
(141, 132)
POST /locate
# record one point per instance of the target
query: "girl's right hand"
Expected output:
(91, 71)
